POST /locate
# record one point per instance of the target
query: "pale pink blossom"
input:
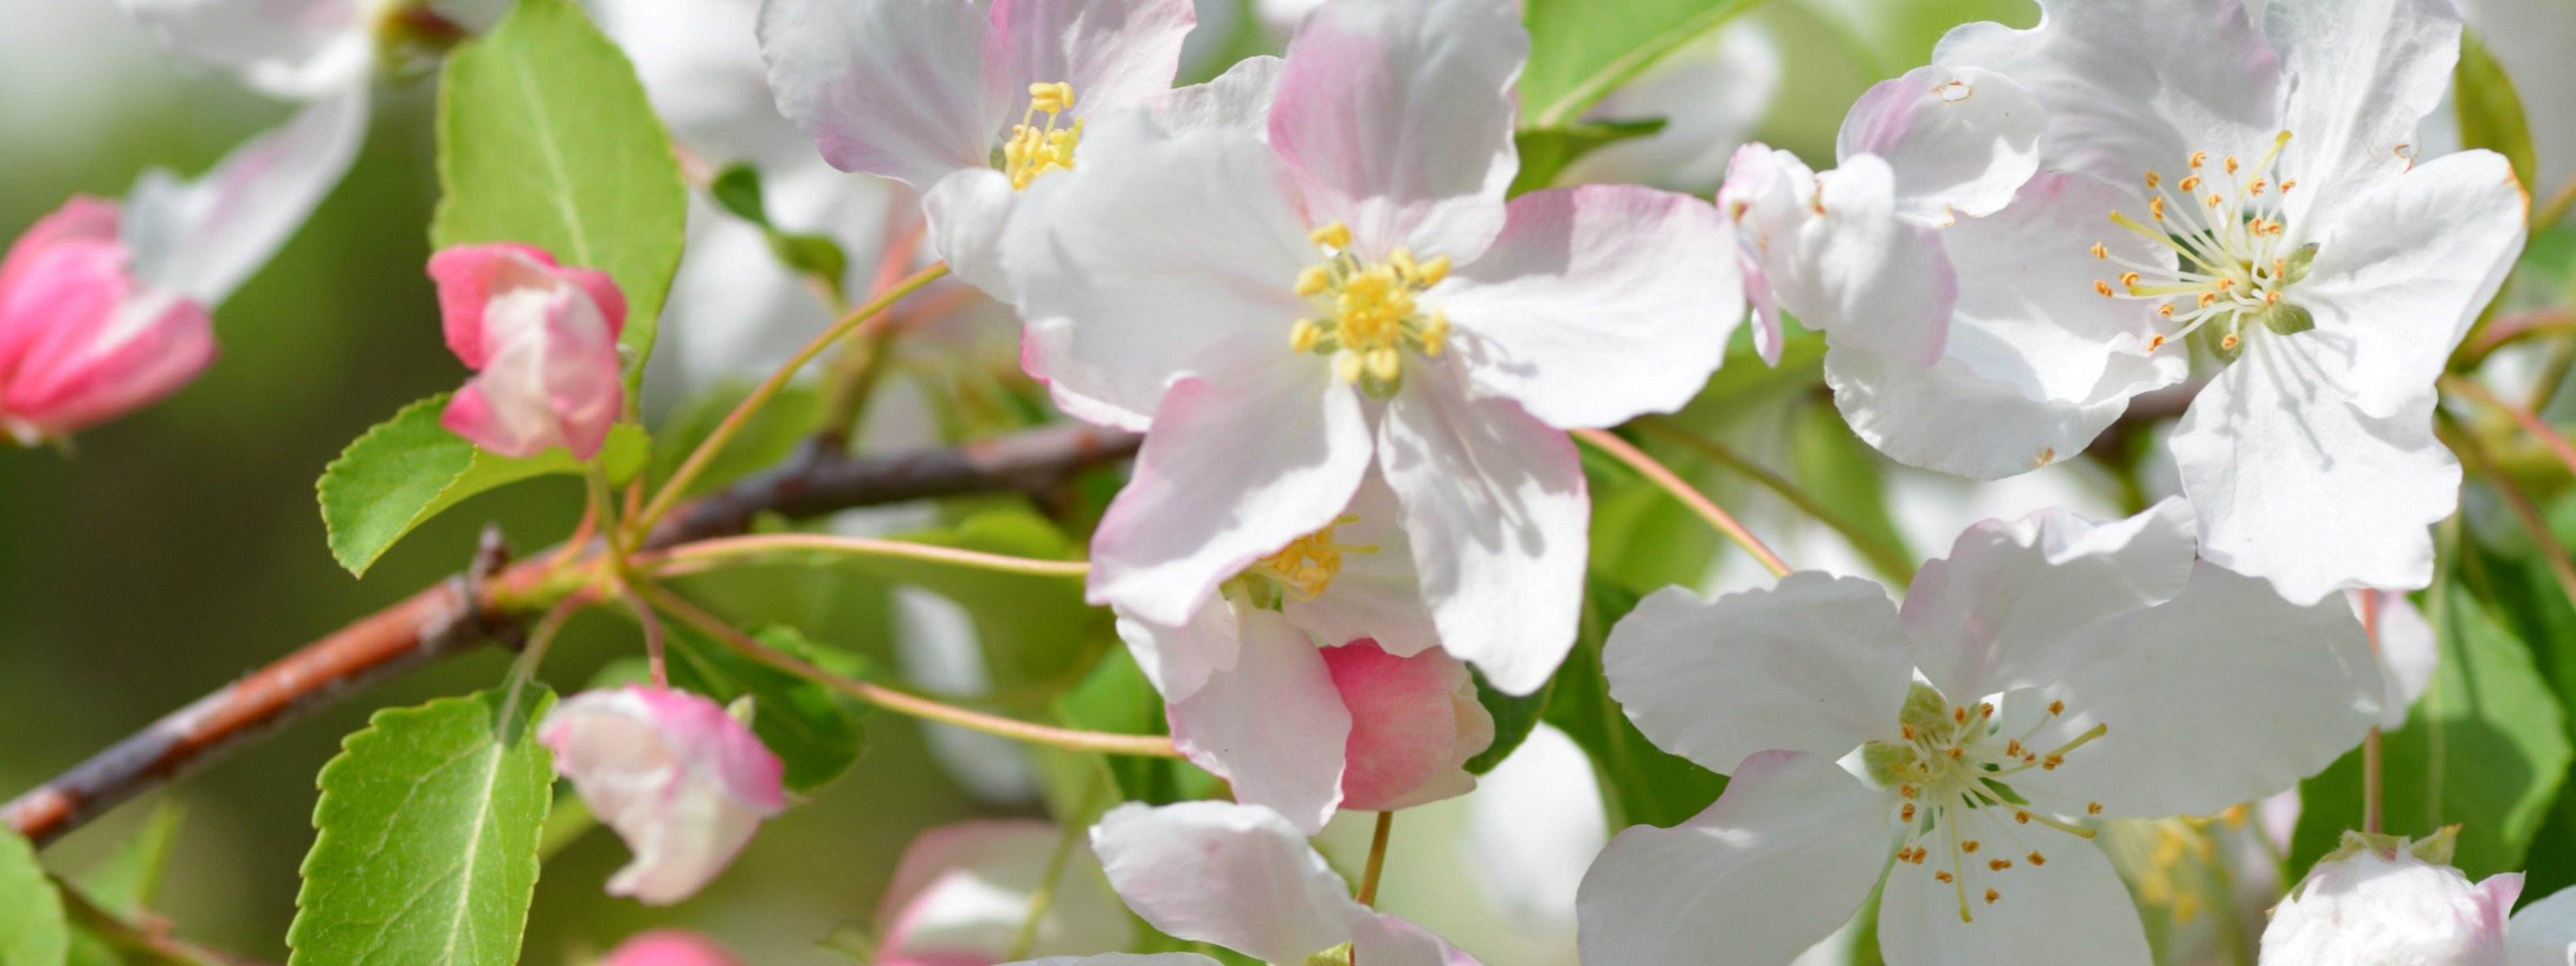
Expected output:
(669, 947)
(961, 894)
(1414, 723)
(680, 780)
(81, 340)
(542, 340)
(2382, 901)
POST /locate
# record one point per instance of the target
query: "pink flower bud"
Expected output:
(679, 779)
(81, 340)
(1414, 723)
(2380, 900)
(543, 340)
(669, 947)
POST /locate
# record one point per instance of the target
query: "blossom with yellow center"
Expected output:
(1371, 317)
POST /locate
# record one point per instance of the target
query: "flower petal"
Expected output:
(2408, 653)
(94, 349)
(1273, 724)
(2040, 915)
(963, 890)
(1998, 613)
(1597, 303)
(1115, 53)
(1238, 876)
(1815, 664)
(1380, 938)
(681, 781)
(2403, 269)
(2362, 74)
(1782, 858)
(890, 87)
(1237, 100)
(1960, 139)
(669, 947)
(1178, 659)
(1414, 723)
(203, 238)
(81, 218)
(1837, 255)
(1947, 418)
(1377, 594)
(1122, 959)
(2028, 314)
(2544, 932)
(1496, 506)
(1398, 114)
(2299, 487)
(294, 49)
(969, 211)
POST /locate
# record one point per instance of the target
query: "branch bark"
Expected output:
(457, 613)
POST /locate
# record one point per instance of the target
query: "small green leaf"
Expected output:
(811, 729)
(409, 468)
(32, 932)
(815, 255)
(1581, 50)
(545, 138)
(737, 188)
(427, 832)
(2489, 109)
(1640, 783)
(1545, 152)
(124, 883)
(1514, 717)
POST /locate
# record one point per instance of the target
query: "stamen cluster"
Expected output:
(1308, 564)
(1035, 149)
(2225, 226)
(1370, 313)
(1948, 775)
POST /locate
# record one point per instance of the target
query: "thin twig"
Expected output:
(1886, 558)
(690, 557)
(2529, 421)
(1682, 490)
(2552, 552)
(2373, 770)
(1376, 859)
(2512, 328)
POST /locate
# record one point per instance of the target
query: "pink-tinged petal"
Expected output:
(1378, 938)
(2134, 85)
(1414, 723)
(1761, 196)
(1273, 725)
(2075, 902)
(894, 88)
(669, 947)
(1815, 664)
(1868, 278)
(1961, 139)
(1046, 354)
(296, 49)
(1495, 503)
(1115, 53)
(2544, 932)
(2360, 75)
(467, 277)
(83, 218)
(1398, 114)
(584, 387)
(680, 780)
(2187, 681)
(1237, 100)
(1178, 659)
(1232, 472)
(1784, 856)
(1376, 594)
(962, 892)
(98, 352)
(1949, 419)
(470, 415)
(968, 212)
(2373, 906)
(2408, 652)
(2028, 314)
(544, 342)
(2295, 485)
(2008, 607)
(2403, 269)
(1597, 303)
(201, 239)
(1238, 876)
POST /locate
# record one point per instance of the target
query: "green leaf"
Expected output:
(32, 932)
(1514, 717)
(811, 729)
(124, 883)
(1581, 50)
(2486, 747)
(1847, 477)
(2489, 109)
(737, 188)
(426, 844)
(1546, 151)
(408, 469)
(1640, 783)
(1116, 697)
(545, 138)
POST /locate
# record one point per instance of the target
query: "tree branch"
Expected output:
(460, 612)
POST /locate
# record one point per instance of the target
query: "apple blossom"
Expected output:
(2543, 933)
(542, 340)
(1354, 293)
(961, 894)
(1242, 877)
(2272, 168)
(2379, 900)
(669, 947)
(678, 778)
(2048, 673)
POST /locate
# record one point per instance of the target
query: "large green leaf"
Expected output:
(1640, 783)
(1515, 716)
(31, 912)
(1545, 152)
(545, 138)
(2486, 747)
(1581, 50)
(426, 844)
(2489, 110)
(814, 731)
(408, 469)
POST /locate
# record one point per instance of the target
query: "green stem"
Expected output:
(1376, 859)
(702, 554)
(525, 668)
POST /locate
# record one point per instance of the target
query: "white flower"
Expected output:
(2068, 670)
(2544, 932)
(2381, 901)
(2272, 170)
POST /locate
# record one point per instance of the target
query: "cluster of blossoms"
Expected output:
(1357, 360)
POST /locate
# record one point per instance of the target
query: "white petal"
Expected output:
(2225, 694)
(1178, 659)
(2028, 313)
(1496, 506)
(2008, 606)
(2544, 932)
(1866, 277)
(968, 211)
(1234, 875)
(2296, 486)
(1399, 115)
(890, 87)
(1960, 139)
(2361, 74)
(964, 890)
(291, 48)
(2403, 269)
(1786, 855)
(1273, 724)
(2072, 907)
(1378, 938)
(1815, 664)
(203, 238)
(1237, 100)
(1377, 595)
(2408, 653)
(1115, 53)
(1597, 303)
(2133, 85)
(1947, 418)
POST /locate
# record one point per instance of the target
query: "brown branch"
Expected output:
(459, 612)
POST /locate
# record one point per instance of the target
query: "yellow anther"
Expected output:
(2037, 859)
(1034, 149)
(2165, 310)
(2272, 297)
(2102, 287)
(1969, 846)
(1303, 336)
(1308, 564)
(2128, 280)
(2214, 200)
(2057, 707)
(1055, 98)
(2206, 298)
(1956, 752)
(1405, 268)
(2231, 164)
(1435, 334)
(2051, 762)
(2153, 179)
(1314, 280)
(1433, 271)
(2288, 184)
(1905, 790)
(2190, 184)
(1385, 364)
(1987, 708)
(2228, 344)
(1959, 715)
(1907, 813)
(2198, 158)
(2256, 188)
(1907, 730)
(1940, 876)
(2021, 817)
(1334, 236)
(2092, 808)
(1992, 895)
(1998, 865)
(2156, 207)
(1346, 367)
(2101, 252)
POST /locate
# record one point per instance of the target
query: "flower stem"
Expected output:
(2374, 811)
(1682, 490)
(1153, 746)
(2529, 421)
(678, 484)
(1889, 560)
(1376, 859)
(690, 557)
(525, 668)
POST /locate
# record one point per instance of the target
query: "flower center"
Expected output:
(1035, 149)
(1308, 564)
(1370, 316)
(2223, 223)
(1949, 774)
